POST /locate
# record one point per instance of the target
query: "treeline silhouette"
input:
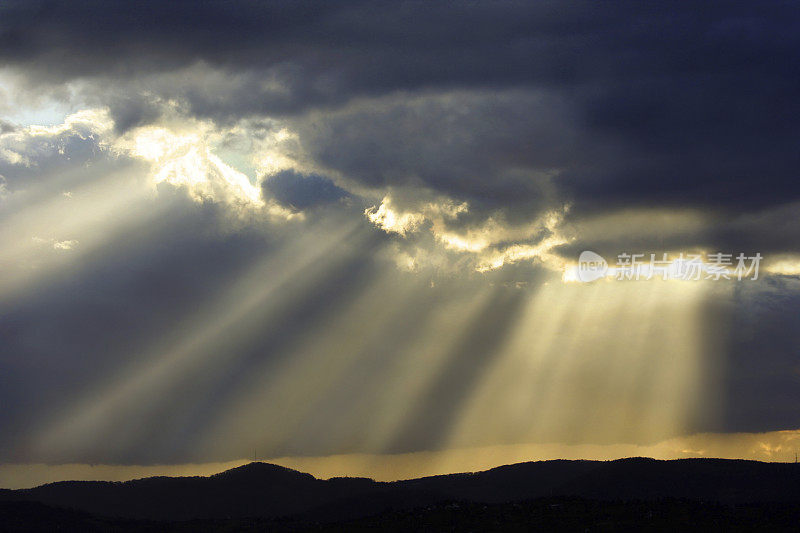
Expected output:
(636, 493)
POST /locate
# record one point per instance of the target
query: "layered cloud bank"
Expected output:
(342, 228)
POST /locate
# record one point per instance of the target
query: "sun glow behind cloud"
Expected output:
(186, 160)
(492, 244)
(81, 208)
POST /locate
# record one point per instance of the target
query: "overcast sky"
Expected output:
(321, 228)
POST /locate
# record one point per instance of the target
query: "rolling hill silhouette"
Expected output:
(270, 492)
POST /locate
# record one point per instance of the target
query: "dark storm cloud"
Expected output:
(699, 101)
(492, 150)
(299, 191)
(684, 104)
(132, 110)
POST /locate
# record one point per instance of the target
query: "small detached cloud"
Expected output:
(299, 191)
(65, 245)
(62, 245)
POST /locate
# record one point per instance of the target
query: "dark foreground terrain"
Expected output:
(628, 494)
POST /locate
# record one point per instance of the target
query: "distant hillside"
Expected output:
(266, 491)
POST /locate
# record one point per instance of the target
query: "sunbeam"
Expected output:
(39, 240)
(582, 366)
(113, 411)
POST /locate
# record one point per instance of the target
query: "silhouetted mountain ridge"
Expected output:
(270, 491)
(259, 470)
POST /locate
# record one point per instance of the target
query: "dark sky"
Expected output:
(332, 227)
